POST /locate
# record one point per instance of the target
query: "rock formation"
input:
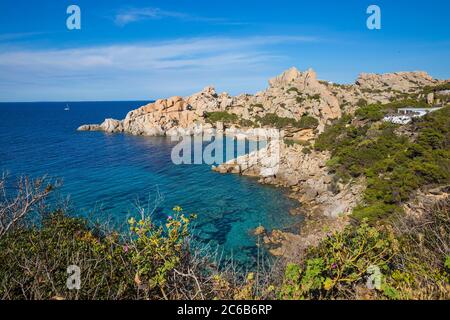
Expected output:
(400, 81)
(292, 94)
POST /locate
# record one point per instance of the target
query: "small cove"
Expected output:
(105, 176)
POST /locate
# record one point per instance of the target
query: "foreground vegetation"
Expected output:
(409, 258)
(150, 261)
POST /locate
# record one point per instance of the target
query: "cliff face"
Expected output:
(305, 174)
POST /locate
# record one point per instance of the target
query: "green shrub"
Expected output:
(406, 103)
(339, 263)
(221, 116)
(308, 122)
(271, 119)
(34, 260)
(246, 123)
(372, 112)
(408, 255)
(440, 87)
(293, 89)
(300, 99)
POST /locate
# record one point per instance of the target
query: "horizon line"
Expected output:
(76, 101)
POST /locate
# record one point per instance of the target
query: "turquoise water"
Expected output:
(105, 175)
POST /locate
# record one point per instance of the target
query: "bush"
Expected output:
(440, 87)
(293, 89)
(372, 112)
(271, 119)
(339, 264)
(420, 270)
(308, 122)
(221, 116)
(34, 260)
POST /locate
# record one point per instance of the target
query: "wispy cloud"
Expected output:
(18, 35)
(127, 16)
(143, 69)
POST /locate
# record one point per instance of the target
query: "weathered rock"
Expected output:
(160, 117)
(430, 98)
(292, 94)
(89, 127)
(399, 81)
(259, 231)
(112, 126)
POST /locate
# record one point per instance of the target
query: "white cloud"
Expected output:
(141, 70)
(125, 17)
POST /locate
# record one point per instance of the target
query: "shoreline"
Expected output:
(315, 225)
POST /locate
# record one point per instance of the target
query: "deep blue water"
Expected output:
(105, 175)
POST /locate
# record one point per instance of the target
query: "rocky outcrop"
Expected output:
(404, 82)
(380, 88)
(424, 200)
(109, 125)
(291, 94)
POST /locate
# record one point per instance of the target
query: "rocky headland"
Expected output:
(297, 96)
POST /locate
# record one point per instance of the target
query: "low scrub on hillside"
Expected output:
(221, 116)
(406, 259)
(271, 119)
(227, 118)
(440, 87)
(394, 165)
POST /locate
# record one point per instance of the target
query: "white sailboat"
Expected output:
(67, 108)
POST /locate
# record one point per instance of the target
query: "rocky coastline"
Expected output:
(325, 202)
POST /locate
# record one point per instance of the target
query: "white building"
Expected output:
(405, 115)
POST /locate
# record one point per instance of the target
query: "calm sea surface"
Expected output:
(105, 176)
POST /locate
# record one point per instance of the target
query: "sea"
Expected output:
(111, 177)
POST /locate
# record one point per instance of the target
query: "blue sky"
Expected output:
(129, 50)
